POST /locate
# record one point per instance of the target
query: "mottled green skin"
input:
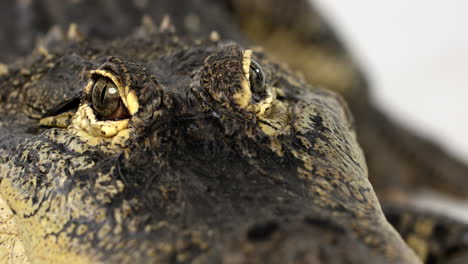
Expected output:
(199, 179)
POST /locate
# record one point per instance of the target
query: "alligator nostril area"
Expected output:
(262, 232)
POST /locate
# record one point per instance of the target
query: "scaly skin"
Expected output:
(204, 169)
(199, 169)
(399, 162)
(201, 162)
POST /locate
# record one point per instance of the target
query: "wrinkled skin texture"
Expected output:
(195, 171)
(204, 170)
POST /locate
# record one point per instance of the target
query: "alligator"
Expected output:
(205, 132)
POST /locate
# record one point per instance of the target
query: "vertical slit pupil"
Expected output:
(103, 94)
(106, 100)
(257, 78)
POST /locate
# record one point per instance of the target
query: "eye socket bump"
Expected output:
(106, 100)
(256, 77)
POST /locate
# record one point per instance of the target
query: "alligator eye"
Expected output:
(106, 100)
(256, 78)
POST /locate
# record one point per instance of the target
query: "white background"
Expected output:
(415, 53)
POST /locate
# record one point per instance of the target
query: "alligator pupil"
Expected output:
(105, 97)
(257, 78)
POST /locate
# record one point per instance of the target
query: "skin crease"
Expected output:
(204, 170)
